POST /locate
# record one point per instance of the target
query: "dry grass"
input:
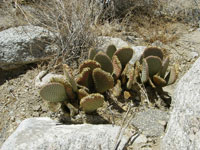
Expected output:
(68, 20)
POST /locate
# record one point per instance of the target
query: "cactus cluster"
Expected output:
(67, 91)
(105, 70)
(154, 68)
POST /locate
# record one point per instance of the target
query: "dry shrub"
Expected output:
(68, 20)
(150, 27)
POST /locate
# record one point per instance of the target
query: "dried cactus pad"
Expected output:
(145, 71)
(91, 102)
(53, 92)
(153, 51)
(111, 50)
(103, 80)
(117, 67)
(159, 81)
(154, 65)
(124, 55)
(171, 76)
(89, 63)
(165, 65)
(68, 74)
(104, 61)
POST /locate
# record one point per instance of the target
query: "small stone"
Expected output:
(141, 139)
(12, 118)
(36, 108)
(36, 114)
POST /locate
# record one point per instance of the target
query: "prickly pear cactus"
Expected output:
(103, 80)
(91, 102)
(53, 92)
(154, 68)
(104, 61)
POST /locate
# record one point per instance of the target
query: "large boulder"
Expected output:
(44, 133)
(183, 129)
(24, 44)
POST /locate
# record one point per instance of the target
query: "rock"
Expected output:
(119, 43)
(186, 9)
(24, 44)
(46, 79)
(44, 133)
(141, 139)
(183, 129)
(149, 122)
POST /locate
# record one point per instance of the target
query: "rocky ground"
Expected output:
(19, 98)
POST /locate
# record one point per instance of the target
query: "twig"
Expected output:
(117, 141)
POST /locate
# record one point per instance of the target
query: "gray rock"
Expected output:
(183, 130)
(46, 134)
(185, 9)
(24, 44)
(150, 122)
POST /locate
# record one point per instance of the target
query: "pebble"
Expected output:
(36, 108)
(141, 139)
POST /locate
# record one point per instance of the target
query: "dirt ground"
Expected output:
(19, 98)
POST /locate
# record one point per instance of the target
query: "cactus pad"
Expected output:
(117, 67)
(111, 50)
(102, 80)
(89, 63)
(82, 93)
(117, 89)
(171, 76)
(159, 81)
(154, 65)
(53, 92)
(165, 65)
(124, 55)
(92, 53)
(104, 61)
(145, 71)
(91, 102)
(153, 51)
(85, 78)
(68, 74)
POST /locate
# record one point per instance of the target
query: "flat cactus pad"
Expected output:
(91, 102)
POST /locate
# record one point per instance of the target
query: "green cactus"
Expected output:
(154, 65)
(104, 61)
(92, 53)
(117, 67)
(92, 64)
(153, 51)
(102, 80)
(124, 55)
(111, 49)
(85, 78)
(154, 68)
(54, 92)
(91, 102)
(67, 85)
